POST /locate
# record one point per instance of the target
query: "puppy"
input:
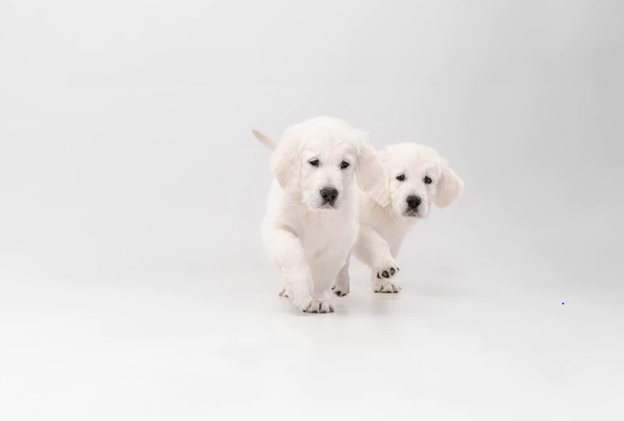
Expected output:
(417, 176)
(312, 215)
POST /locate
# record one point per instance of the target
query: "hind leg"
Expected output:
(342, 285)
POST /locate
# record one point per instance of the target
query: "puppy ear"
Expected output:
(371, 175)
(285, 163)
(449, 187)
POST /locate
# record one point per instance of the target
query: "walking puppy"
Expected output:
(416, 176)
(312, 216)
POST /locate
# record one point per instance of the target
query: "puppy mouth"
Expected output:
(411, 213)
(331, 205)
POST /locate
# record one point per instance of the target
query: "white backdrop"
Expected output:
(126, 157)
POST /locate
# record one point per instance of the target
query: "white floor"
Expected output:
(181, 349)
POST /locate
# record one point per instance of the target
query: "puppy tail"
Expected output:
(265, 140)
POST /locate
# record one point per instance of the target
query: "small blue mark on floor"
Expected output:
(562, 303)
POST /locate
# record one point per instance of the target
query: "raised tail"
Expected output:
(265, 140)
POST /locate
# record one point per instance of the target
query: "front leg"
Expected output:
(325, 270)
(373, 250)
(286, 252)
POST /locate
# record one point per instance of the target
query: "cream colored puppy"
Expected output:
(417, 176)
(312, 215)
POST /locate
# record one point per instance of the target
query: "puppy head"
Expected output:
(418, 176)
(320, 158)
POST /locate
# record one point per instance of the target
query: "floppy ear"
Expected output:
(449, 187)
(371, 175)
(285, 163)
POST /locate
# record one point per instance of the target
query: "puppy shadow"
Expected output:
(364, 302)
(382, 304)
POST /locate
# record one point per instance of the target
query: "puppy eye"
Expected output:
(344, 164)
(401, 177)
(427, 180)
(315, 162)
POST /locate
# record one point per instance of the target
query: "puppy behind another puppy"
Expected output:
(417, 176)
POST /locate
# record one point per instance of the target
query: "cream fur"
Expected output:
(383, 227)
(307, 239)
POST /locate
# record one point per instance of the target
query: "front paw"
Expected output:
(382, 278)
(386, 270)
(297, 288)
(385, 286)
(319, 305)
(301, 299)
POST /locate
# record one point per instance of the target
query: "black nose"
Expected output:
(329, 194)
(413, 201)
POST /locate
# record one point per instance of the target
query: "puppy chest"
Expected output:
(320, 238)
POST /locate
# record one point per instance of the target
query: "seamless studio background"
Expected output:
(133, 283)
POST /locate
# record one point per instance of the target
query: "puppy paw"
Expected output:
(341, 290)
(301, 299)
(297, 288)
(386, 286)
(319, 305)
(342, 286)
(386, 270)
